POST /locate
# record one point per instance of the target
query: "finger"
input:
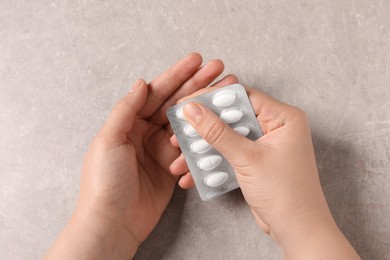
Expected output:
(160, 149)
(174, 141)
(270, 112)
(164, 85)
(218, 134)
(186, 181)
(179, 166)
(225, 81)
(261, 101)
(203, 77)
(121, 119)
(198, 93)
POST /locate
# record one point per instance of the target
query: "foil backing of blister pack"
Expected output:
(212, 173)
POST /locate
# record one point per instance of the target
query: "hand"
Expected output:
(126, 184)
(277, 175)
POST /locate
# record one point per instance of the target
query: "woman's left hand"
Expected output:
(126, 183)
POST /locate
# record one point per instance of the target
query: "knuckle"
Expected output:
(194, 81)
(215, 132)
(250, 158)
(119, 106)
(123, 102)
(301, 114)
(101, 142)
(158, 96)
(298, 113)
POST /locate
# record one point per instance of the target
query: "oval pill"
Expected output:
(242, 130)
(209, 162)
(200, 146)
(190, 131)
(216, 179)
(224, 98)
(231, 115)
(180, 113)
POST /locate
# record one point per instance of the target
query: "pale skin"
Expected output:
(277, 175)
(128, 176)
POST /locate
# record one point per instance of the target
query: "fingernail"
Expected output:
(136, 85)
(193, 112)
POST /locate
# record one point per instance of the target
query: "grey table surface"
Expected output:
(63, 65)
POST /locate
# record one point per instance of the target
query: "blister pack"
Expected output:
(212, 173)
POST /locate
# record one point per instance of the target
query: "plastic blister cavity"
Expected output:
(212, 173)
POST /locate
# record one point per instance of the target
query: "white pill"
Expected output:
(231, 115)
(180, 113)
(190, 131)
(200, 146)
(224, 98)
(216, 179)
(242, 130)
(209, 162)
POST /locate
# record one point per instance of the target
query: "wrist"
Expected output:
(111, 238)
(300, 228)
(92, 237)
(314, 235)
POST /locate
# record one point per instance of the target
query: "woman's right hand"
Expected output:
(277, 174)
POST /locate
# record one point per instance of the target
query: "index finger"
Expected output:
(271, 113)
(164, 85)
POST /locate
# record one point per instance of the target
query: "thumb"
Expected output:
(122, 117)
(216, 132)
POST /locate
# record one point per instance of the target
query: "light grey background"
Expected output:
(63, 64)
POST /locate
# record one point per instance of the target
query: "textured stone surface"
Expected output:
(63, 64)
